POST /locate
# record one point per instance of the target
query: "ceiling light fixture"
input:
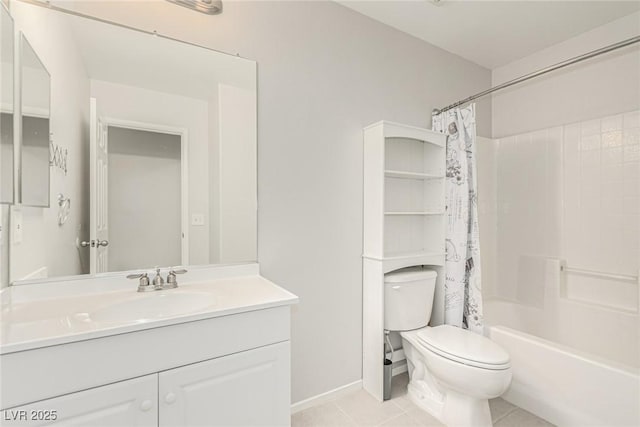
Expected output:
(210, 7)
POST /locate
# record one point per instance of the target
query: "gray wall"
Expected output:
(593, 89)
(324, 72)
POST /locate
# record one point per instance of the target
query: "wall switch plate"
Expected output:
(197, 219)
(16, 226)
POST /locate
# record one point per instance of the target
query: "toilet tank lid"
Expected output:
(409, 275)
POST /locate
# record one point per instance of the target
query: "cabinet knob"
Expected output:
(146, 405)
(170, 398)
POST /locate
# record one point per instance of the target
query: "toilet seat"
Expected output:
(463, 346)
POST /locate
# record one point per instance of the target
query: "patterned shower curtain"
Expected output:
(463, 289)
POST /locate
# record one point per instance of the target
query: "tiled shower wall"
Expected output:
(528, 212)
(569, 192)
(601, 229)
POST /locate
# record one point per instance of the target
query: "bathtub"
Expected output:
(562, 384)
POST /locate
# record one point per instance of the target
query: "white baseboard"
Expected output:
(325, 397)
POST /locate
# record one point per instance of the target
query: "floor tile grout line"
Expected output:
(392, 400)
(392, 418)
(515, 408)
(402, 411)
(345, 413)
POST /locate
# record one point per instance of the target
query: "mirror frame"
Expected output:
(25, 42)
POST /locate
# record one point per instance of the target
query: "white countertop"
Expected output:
(30, 324)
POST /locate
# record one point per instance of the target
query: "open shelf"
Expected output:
(411, 175)
(415, 254)
(395, 260)
(436, 212)
(413, 234)
(407, 158)
(413, 196)
(402, 131)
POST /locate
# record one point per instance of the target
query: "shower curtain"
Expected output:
(463, 289)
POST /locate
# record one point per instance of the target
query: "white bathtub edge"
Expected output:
(543, 407)
(567, 388)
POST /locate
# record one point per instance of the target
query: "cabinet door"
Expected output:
(130, 403)
(251, 388)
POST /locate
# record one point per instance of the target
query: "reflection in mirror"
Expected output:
(35, 98)
(6, 108)
(160, 138)
(6, 137)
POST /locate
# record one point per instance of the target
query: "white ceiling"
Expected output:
(493, 33)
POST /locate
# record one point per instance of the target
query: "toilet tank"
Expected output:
(408, 298)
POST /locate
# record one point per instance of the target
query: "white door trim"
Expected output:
(183, 133)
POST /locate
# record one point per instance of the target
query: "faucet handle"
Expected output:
(172, 281)
(143, 285)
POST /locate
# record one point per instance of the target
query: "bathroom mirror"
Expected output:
(35, 89)
(152, 158)
(6, 107)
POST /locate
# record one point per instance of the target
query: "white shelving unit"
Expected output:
(404, 224)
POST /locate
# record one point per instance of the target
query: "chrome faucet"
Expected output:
(158, 283)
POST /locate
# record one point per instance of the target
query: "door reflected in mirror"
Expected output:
(160, 138)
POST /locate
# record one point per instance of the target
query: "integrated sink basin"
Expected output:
(151, 306)
(42, 315)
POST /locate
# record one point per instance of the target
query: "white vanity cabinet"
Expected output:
(226, 367)
(249, 388)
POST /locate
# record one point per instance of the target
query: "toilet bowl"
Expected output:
(453, 372)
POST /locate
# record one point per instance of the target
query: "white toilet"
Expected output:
(453, 372)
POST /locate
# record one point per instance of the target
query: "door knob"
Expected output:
(170, 398)
(94, 243)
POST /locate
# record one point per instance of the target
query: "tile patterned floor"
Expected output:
(360, 409)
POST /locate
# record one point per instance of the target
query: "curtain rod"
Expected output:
(538, 73)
